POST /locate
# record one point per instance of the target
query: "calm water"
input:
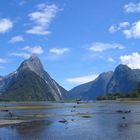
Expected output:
(90, 121)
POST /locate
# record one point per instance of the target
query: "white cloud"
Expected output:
(33, 50)
(82, 79)
(21, 54)
(16, 39)
(2, 60)
(27, 51)
(55, 54)
(42, 19)
(5, 25)
(124, 25)
(132, 60)
(115, 28)
(129, 30)
(134, 31)
(38, 30)
(111, 60)
(59, 51)
(132, 8)
(100, 47)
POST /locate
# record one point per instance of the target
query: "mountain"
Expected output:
(6, 81)
(92, 89)
(123, 80)
(31, 82)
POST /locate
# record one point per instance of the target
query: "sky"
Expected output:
(75, 40)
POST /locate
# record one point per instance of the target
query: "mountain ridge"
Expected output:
(12, 86)
(122, 80)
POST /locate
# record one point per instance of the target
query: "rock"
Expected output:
(63, 121)
(123, 111)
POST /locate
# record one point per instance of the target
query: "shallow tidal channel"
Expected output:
(101, 120)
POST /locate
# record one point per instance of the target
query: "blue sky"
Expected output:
(75, 40)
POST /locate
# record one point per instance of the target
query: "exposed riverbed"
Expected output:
(105, 120)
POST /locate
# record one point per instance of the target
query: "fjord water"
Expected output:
(69, 121)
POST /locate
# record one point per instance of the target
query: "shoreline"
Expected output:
(10, 122)
(4, 123)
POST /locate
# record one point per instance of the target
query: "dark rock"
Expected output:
(63, 121)
(123, 111)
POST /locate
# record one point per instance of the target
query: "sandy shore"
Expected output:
(9, 122)
(22, 122)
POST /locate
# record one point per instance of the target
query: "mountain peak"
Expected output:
(31, 82)
(33, 63)
(33, 57)
(122, 66)
(106, 74)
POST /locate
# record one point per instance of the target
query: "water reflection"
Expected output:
(93, 121)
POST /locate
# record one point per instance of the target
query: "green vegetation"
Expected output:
(120, 96)
(28, 87)
(134, 95)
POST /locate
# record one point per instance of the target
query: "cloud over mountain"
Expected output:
(132, 60)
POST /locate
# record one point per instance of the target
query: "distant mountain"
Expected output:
(92, 89)
(31, 82)
(123, 80)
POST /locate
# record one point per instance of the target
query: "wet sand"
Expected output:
(61, 121)
(10, 122)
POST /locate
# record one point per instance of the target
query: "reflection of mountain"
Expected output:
(122, 80)
(34, 128)
(31, 82)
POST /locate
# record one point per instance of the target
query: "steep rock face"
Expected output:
(80, 91)
(6, 81)
(40, 85)
(124, 80)
(92, 89)
(32, 64)
(29, 87)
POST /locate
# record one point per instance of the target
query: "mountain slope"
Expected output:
(31, 82)
(92, 89)
(124, 80)
(28, 86)
(6, 81)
